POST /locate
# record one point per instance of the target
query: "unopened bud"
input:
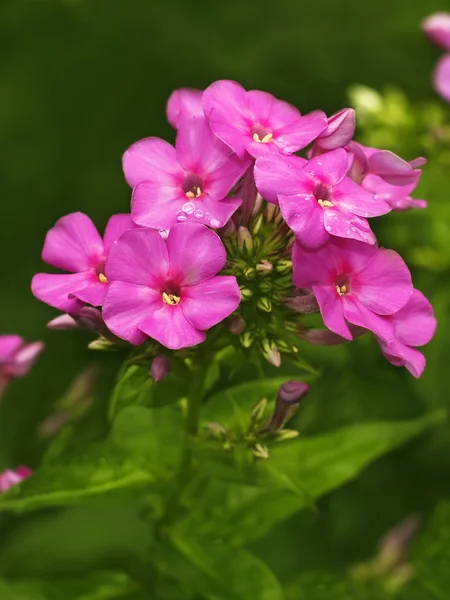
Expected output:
(101, 344)
(89, 318)
(249, 273)
(246, 294)
(228, 229)
(260, 451)
(339, 131)
(265, 286)
(257, 224)
(217, 431)
(271, 353)
(247, 339)
(394, 545)
(245, 239)
(264, 267)
(264, 304)
(236, 325)
(288, 399)
(259, 410)
(283, 266)
(305, 305)
(62, 323)
(325, 337)
(283, 435)
(271, 211)
(160, 368)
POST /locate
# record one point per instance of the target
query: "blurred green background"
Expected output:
(80, 80)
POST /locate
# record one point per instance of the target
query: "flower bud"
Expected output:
(339, 131)
(249, 273)
(217, 431)
(395, 543)
(437, 28)
(325, 337)
(259, 410)
(101, 343)
(228, 229)
(264, 304)
(89, 318)
(257, 224)
(305, 305)
(236, 325)
(271, 353)
(283, 435)
(271, 211)
(265, 286)
(62, 322)
(260, 451)
(264, 267)
(245, 239)
(247, 339)
(288, 399)
(246, 294)
(283, 266)
(160, 368)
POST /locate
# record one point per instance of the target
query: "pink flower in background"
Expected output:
(75, 245)
(397, 196)
(356, 283)
(316, 198)
(9, 478)
(256, 122)
(339, 131)
(188, 182)
(414, 325)
(184, 104)
(437, 28)
(168, 289)
(441, 77)
(16, 357)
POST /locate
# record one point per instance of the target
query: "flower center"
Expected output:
(342, 286)
(171, 299)
(100, 272)
(322, 195)
(171, 294)
(192, 186)
(341, 289)
(102, 278)
(260, 134)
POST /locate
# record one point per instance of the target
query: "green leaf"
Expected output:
(144, 446)
(98, 586)
(305, 469)
(321, 586)
(219, 572)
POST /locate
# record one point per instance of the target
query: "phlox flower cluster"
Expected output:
(255, 216)
(437, 28)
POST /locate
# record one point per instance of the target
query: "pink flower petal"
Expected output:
(330, 305)
(195, 253)
(276, 174)
(24, 359)
(400, 355)
(301, 133)
(151, 159)
(225, 107)
(218, 183)
(392, 168)
(116, 225)
(55, 290)
(415, 323)
(384, 286)
(198, 150)
(154, 204)
(304, 216)
(339, 131)
(139, 257)
(356, 313)
(215, 213)
(350, 256)
(346, 225)
(9, 344)
(94, 293)
(437, 28)
(126, 305)
(354, 198)
(441, 77)
(183, 104)
(208, 303)
(329, 168)
(169, 327)
(73, 244)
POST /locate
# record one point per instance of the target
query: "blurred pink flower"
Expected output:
(355, 283)
(441, 77)
(168, 289)
(16, 357)
(75, 245)
(9, 478)
(437, 28)
(256, 122)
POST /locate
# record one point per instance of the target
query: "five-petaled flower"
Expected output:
(75, 245)
(168, 289)
(256, 122)
(356, 283)
(187, 183)
(316, 198)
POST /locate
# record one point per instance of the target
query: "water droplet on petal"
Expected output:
(328, 227)
(189, 207)
(215, 223)
(312, 173)
(164, 233)
(182, 216)
(198, 213)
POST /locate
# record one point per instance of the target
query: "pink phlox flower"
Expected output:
(184, 104)
(74, 245)
(16, 356)
(168, 290)
(397, 196)
(354, 283)
(316, 198)
(256, 122)
(437, 28)
(187, 183)
(338, 133)
(441, 77)
(12, 477)
(364, 161)
(414, 325)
